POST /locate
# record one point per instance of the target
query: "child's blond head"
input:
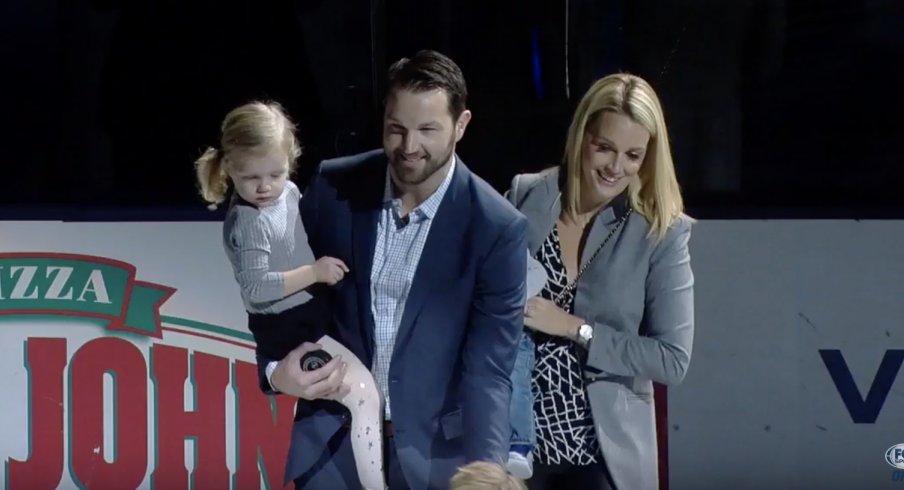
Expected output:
(481, 475)
(251, 129)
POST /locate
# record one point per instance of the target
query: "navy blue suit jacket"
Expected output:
(456, 344)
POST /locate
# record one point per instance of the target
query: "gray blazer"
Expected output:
(638, 296)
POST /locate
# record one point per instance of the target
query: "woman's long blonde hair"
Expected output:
(654, 191)
(253, 127)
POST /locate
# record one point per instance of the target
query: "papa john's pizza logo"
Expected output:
(73, 326)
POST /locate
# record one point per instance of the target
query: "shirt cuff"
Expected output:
(268, 371)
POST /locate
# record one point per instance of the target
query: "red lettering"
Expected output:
(206, 423)
(263, 431)
(126, 364)
(44, 361)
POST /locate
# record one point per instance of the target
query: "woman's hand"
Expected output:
(543, 315)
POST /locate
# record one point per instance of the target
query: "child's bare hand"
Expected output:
(329, 270)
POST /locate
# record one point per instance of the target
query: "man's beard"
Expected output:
(418, 176)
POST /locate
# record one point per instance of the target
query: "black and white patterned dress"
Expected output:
(564, 424)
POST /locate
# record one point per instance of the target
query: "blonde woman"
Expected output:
(617, 312)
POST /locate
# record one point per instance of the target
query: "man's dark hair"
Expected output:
(429, 70)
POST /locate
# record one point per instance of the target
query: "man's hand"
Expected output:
(322, 383)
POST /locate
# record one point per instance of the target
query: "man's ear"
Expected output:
(462, 124)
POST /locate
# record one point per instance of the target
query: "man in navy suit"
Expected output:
(433, 301)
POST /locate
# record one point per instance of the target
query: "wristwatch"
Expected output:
(585, 335)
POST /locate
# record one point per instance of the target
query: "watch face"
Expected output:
(586, 331)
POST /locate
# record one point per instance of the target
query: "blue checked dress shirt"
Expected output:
(396, 255)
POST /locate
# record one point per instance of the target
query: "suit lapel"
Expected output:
(545, 208)
(438, 263)
(365, 214)
(603, 224)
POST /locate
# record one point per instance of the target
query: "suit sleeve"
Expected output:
(496, 323)
(663, 353)
(309, 209)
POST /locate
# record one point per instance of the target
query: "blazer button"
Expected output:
(394, 380)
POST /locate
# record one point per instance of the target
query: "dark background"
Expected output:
(775, 108)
